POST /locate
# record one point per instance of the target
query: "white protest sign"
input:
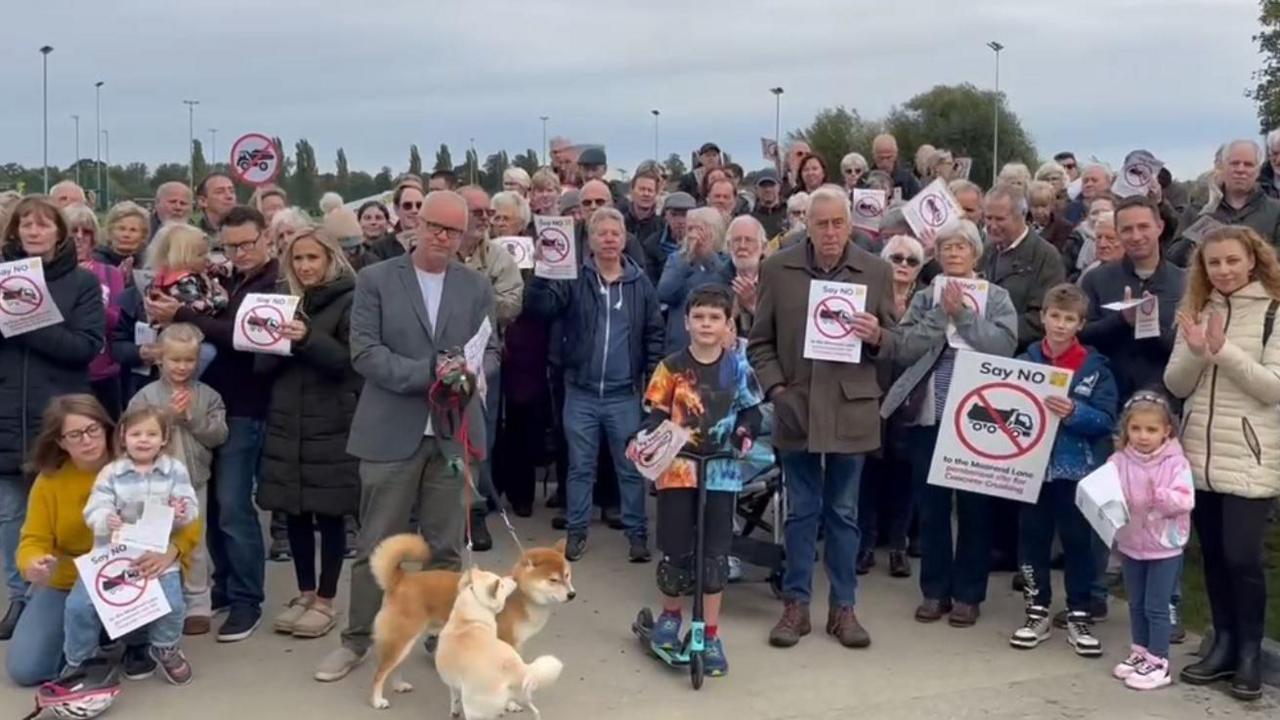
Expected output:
(769, 149)
(25, 304)
(868, 209)
(932, 209)
(520, 248)
(1101, 501)
(557, 257)
(151, 531)
(964, 166)
(995, 435)
(975, 298)
(144, 334)
(1198, 229)
(473, 352)
(124, 599)
(1146, 320)
(657, 449)
(259, 321)
(1136, 178)
(828, 333)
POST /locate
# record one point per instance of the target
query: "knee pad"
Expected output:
(674, 577)
(715, 575)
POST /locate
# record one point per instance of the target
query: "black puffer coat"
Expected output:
(41, 364)
(305, 466)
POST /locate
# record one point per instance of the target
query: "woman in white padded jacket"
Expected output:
(1226, 363)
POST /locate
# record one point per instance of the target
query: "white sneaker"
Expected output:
(338, 664)
(1037, 628)
(1151, 674)
(1080, 635)
(1130, 665)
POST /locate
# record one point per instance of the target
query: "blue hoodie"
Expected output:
(1084, 436)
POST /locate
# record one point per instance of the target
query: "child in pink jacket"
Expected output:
(1158, 490)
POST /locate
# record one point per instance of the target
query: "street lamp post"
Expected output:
(44, 51)
(475, 160)
(97, 134)
(106, 142)
(777, 126)
(213, 147)
(656, 113)
(191, 139)
(546, 151)
(995, 133)
(77, 119)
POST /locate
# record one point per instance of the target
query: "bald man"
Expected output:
(67, 193)
(884, 152)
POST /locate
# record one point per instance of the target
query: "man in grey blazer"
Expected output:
(406, 311)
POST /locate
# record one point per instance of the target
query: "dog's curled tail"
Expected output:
(385, 561)
(542, 672)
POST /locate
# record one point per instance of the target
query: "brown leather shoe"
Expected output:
(964, 615)
(932, 610)
(843, 623)
(793, 625)
(196, 625)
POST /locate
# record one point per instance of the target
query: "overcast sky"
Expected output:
(1095, 76)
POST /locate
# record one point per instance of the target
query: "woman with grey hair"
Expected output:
(1054, 174)
(953, 579)
(104, 371)
(701, 261)
(940, 164)
(1015, 174)
(793, 227)
(852, 167)
(516, 180)
(511, 214)
(285, 225)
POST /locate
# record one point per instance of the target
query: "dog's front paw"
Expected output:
(401, 686)
(514, 707)
(380, 703)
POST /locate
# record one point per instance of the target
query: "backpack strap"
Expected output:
(1269, 323)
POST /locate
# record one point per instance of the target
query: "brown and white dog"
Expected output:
(417, 603)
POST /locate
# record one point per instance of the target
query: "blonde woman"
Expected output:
(700, 261)
(1226, 363)
(124, 243)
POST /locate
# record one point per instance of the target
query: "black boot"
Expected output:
(1247, 683)
(481, 541)
(1217, 664)
(10, 620)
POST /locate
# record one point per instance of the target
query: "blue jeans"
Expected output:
(949, 571)
(821, 489)
(13, 511)
(83, 629)
(34, 655)
(231, 522)
(1056, 508)
(1150, 585)
(586, 415)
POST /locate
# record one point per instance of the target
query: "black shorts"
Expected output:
(677, 524)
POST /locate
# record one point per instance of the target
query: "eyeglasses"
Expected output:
(93, 432)
(481, 213)
(438, 230)
(1068, 166)
(852, 171)
(594, 203)
(234, 249)
(908, 260)
(409, 205)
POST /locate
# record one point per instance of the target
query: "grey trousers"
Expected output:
(389, 492)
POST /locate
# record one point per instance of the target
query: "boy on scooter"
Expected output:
(711, 391)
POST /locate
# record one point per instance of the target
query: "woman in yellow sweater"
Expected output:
(75, 442)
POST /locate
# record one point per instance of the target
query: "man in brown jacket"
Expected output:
(826, 414)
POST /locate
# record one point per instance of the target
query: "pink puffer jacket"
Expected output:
(1160, 494)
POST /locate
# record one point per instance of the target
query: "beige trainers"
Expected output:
(338, 664)
(316, 622)
(288, 619)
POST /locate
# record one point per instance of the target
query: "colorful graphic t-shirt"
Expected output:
(712, 400)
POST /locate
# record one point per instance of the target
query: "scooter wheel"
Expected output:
(697, 670)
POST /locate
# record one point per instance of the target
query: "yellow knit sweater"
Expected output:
(55, 524)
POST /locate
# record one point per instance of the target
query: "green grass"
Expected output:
(1195, 604)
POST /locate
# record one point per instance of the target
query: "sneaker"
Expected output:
(197, 625)
(735, 568)
(1177, 633)
(1080, 635)
(137, 662)
(793, 625)
(638, 550)
(1150, 674)
(338, 664)
(575, 547)
(843, 625)
(713, 660)
(899, 565)
(279, 551)
(666, 632)
(287, 620)
(173, 664)
(1137, 655)
(1035, 630)
(241, 621)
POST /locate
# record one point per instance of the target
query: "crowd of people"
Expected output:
(689, 304)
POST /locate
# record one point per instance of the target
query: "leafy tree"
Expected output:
(1266, 91)
(834, 133)
(304, 191)
(383, 180)
(527, 161)
(469, 171)
(197, 160)
(444, 160)
(344, 173)
(415, 161)
(675, 165)
(494, 166)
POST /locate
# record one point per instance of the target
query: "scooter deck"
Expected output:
(643, 629)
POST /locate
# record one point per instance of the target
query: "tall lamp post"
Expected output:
(656, 113)
(475, 160)
(97, 134)
(777, 126)
(546, 151)
(106, 190)
(77, 120)
(191, 140)
(213, 147)
(995, 134)
(44, 51)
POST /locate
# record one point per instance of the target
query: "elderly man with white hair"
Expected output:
(746, 240)
(884, 153)
(67, 193)
(826, 413)
(1019, 260)
(1243, 201)
(1095, 180)
(172, 204)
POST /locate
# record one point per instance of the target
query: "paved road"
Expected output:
(911, 670)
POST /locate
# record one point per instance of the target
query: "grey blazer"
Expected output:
(394, 348)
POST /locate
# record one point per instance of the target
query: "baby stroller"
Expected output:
(761, 510)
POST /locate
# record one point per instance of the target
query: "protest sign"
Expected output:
(150, 531)
(932, 209)
(828, 333)
(1101, 501)
(144, 334)
(995, 435)
(975, 298)
(1146, 319)
(1135, 178)
(1198, 229)
(656, 450)
(259, 322)
(123, 597)
(557, 257)
(520, 248)
(868, 209)
(25, 304)
(769, 149)
(473, 352)
(964, 166)
(255, 160)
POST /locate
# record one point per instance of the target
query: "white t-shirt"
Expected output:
(432, 287)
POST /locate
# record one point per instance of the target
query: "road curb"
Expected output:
(1270, 657)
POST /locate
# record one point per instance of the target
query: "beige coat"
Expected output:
(1231, 420)
(494, 262)
(826, 407)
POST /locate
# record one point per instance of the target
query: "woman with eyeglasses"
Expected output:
(852, 167)
(953, 578)
(104, 371)
(74, 442)
(39, 364)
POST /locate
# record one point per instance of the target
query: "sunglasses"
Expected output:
(408, 205)
(908, 260)
(594, 203)
(852, 171)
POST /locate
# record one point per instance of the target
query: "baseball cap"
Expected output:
(592, 156)
(679, 201)
(708, 148)
(768, 175)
